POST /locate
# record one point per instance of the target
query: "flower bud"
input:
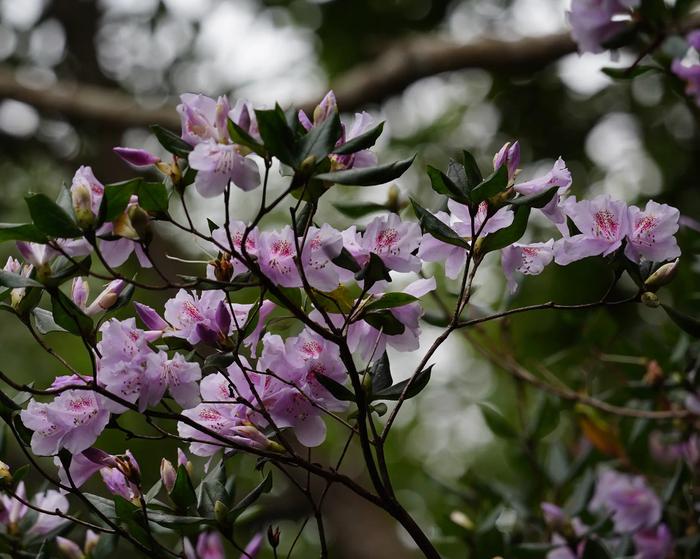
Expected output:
(221, 513)
(107, 299)
(650, 299)
(80, 291)
(91, 541)
(69, 549)
(223, 269)
(140, 221)
(308, 165)
(168, 475)
(273, 536)
(461, 520)
(183, 461)
(81, 198)
(254, 546)
(5, 475)
(554, 516)
(663, 276)
(128, 466)
(325, 108)
(150, 317)
(510, 155)
(136, 157)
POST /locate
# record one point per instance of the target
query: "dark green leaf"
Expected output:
(44, 322)
(394, 392)
(385, 321)
(346, 261)
(381, 373)
(8, 279)
(361, 142)
(579, 499)
(67, 315)
(171, 141)
(359, 210)
(675, 483)
(689, 324)
(389, 301)
(368, 176)
(375, 270)
(494, 184)
(241, 137)
(539, 200)
(183, 494)
(278, 138)
(7, 406)
(532, 550)
(50, 218)
(116, 198)
(471, 170)
(595, 550)
(495, 421)
(21, 232)
(442, 184)
(509, 235)
(432, 225)
(153, 197)
(321, 139)
(217, 362)
(630, 72)
(337, 390)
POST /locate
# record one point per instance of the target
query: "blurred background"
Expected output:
(78, 77)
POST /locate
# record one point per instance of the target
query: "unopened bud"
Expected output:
(392, 198)
(107, 299)
(273, 536)
(5, 475)
(183, 461)
(223, 269)
(663, 276)
(221, 513)
(150, 317)
(168, 475)
(91, 541)
(82, 205)
(137, 157)
(461, 520)
(308, 165)
(69, 549)
(80, 291)
(654, 374)
(650, 299)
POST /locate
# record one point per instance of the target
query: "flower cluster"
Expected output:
(595, 22)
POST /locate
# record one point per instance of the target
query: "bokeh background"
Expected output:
(78, 77)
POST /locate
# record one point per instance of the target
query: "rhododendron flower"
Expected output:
(483, 225)
(220, 164)
(688, 68)
(203, 118)
(633, 504)
(653, 543)
(322, 245)
(510, 155)
(276, 252)
(73, 420)
(40, 255)
(136, 157)
(526, 259)
(560, 177)
(393, 240)
(603, 223)
(71, 550)
(177, 375)
(593, 22)
(119, 478)
(651, 233)
(86, 194)
(210, 546)
(12, 510)
(83, 466)
(433, 250)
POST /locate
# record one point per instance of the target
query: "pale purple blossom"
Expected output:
(653, 543)
(86, 184)
(390, 238)
(510, 155)
(433, 250)
(594, 22)
(651, 233)
(276, 252)
(12, 511)
(483, 223)
(559, 176)
(322, 245)
(688, 68)
(203, 118)
(177, 375)
(529, 259)
(633, 504)
(220, 164)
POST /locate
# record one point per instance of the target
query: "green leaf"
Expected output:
(375, 270)
(539, 200)
(580, 497)
(67, 315)
(346, 261)
(675, 483)
(50, 218)
(171, 141)
(431, 224)
(7, 406)
(496, 183)
(241, 137)
(278, 138)
(213, 489)
(495, 421)
(217, 362)
(689, 324)
(183, 494)
(21, 232)
(337, 390)
(8, 279)
(116, 198)
(509, 235)
(153, 197)
(361, 142)
(394, 392)
(44, 322)
(359, 210)
(442, 184)
(630, 72)
(471, 170)
(389, 301)
(264, 487)
(532, 550)
(385, 321)
(321, 139)
(381, 373)
(547, 416)
(368, 176)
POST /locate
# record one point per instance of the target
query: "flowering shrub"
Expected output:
(288, 329)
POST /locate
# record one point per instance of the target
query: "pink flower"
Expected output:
(136, 157)
(560, 177)
(483, 224)
(120, 477)
(12, 511)
(276, 254)
(651, 233)
(85, 185)
(603, 223)
(433, 250)
(653, 543)
(526, 259)
(73, 420)
(322, 245)
(220, 164)
(393, 240)
(593, 22)
(176, 375)
(203, 118)
(510, 155)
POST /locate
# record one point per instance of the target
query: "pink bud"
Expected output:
(510, 155)
(150, 318)
(168, 475)
(223, 318)
(107, 299)
(136, 157)
(80, 292)
(91, 541)
(325, 108)
(209, 546)
(254, 546)
(69, 549)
